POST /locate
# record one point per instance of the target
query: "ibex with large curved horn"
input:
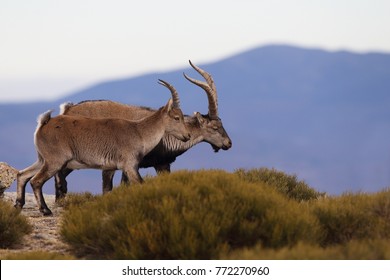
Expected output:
(209, 88)
(203, 128)
(108, 144)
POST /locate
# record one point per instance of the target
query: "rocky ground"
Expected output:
(45, 235)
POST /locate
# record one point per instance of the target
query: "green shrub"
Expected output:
(354, 216)
(75, 199)
(381, 207)
(186, 215)
(13, 226)
(377, 249)
(282, 182)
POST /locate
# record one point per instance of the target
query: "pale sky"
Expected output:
(50, 48)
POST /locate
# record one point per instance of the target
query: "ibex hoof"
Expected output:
(18, 205)
(46, 212)
(60, 197)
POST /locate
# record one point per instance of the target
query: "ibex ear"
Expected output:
(169, 105)
(199, 117)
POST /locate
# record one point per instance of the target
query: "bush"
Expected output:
(186, 215)
(13, 226)
(381, 207)
(377, 249)
(76, 199)
(282, 182)
(354, 216)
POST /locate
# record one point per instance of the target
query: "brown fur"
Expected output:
(107, 144)
(203, 128)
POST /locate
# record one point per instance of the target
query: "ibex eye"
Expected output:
(177, 118)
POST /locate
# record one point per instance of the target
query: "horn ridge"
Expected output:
(208, 87)
(175, 95)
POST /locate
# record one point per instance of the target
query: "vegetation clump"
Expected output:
(13, 226)
(288, 185)
(354, 217)
(186, 215)
(211, 214)
(367, 249)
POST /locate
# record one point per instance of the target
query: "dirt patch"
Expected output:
(45, 234)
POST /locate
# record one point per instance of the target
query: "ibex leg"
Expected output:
(125, 180)
(107, 176)
(44, 174)
(22, 178)
(61, 184)
(133, 175)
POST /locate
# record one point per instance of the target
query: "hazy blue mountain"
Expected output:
(322, 115)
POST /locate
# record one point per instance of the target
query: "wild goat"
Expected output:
(203, 128)
(108, 144)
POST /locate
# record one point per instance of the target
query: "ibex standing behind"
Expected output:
(204, 128)
(107, 144)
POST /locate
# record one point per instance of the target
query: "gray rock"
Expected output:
(7, 176)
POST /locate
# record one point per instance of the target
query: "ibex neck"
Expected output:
(175, 146)
(152, 129)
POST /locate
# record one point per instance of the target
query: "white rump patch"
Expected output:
(64, 107)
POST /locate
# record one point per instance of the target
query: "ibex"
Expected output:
(203, 128)
(108, 144)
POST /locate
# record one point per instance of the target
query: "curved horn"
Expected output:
(209, 87)
(175, 95)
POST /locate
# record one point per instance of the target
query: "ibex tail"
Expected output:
(44, 118)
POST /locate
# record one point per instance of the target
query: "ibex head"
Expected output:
(214, 133)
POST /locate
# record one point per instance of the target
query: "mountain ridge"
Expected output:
(322, 115)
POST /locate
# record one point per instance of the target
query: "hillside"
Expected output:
(322, 115)
(204, 214)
